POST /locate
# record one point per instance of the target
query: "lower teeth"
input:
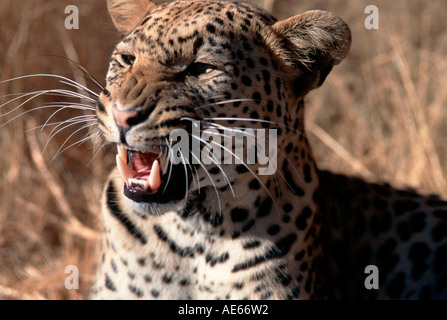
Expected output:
(138, 183)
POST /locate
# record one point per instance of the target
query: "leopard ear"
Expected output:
(314, 42)
(126, 14)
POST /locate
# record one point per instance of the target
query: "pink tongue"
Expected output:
(142, 163)
(143, 169)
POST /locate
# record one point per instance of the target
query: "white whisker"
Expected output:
(216, 162)
(211, 179)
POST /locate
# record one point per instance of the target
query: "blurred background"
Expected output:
(380, 115)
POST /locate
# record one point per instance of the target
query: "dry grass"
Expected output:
(380, 115)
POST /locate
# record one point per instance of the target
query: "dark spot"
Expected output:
(254, 184)
(289, 147)
(246, 80)
(238, 285)
(270, 106)
(239, 214)
(155, 293)
(242, 168)
(256, 97)
(136, 291)
(250, 63)
(219, 21)
(250, 244)
(273, 229)
(281, 248)
(214, 170)
(292, 185)
(236, 71)
(265, 207)
(287, 207)
(307, 173)
(109, 284)
(247, 226)
(197, 44)
(210, 28)
(304, 266)
(141, 261)
(255, 116)
(301, 220)
(114, 267)
(167, 278)
(212, 41)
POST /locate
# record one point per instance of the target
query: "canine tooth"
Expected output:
(154, 179)
(122, 152)
(126, 172)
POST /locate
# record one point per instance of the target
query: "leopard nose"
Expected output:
(125, 119)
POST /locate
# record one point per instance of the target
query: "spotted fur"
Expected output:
(223, 231)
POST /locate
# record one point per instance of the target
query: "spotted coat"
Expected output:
(222, 231)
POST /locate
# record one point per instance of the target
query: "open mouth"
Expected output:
(150, 178)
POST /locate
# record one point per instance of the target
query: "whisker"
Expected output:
(73, 105)
(223, 102)
(56, 76)
(62, 107)
(35, 94)
(87, 118)
(80, 67)
(61, 150)
(186, 175)
(79, 86)
(68, 123)
(216, 162)
(256, 120)
(170, 164)
(211, 179)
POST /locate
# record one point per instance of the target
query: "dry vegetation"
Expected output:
(379, 115)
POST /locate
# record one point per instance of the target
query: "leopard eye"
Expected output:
(126, 60)
(198, 68)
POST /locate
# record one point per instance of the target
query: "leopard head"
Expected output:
(205, 70)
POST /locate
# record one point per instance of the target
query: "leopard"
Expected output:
(180, 225)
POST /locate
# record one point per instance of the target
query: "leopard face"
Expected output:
(218, 65)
